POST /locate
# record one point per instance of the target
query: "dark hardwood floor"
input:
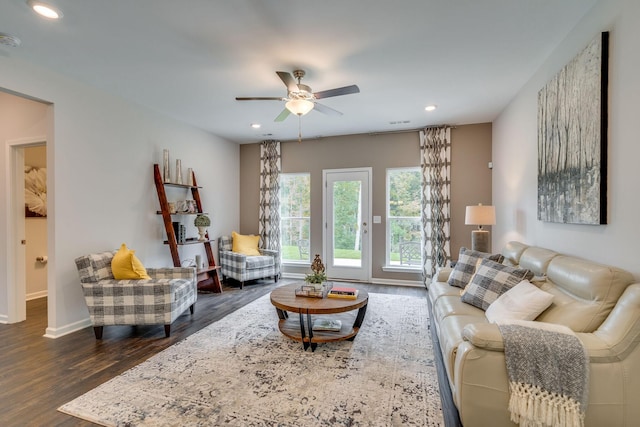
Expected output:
(39, 374)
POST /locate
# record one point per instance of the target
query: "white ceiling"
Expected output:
(189, 59)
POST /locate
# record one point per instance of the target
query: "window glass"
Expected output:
(295, 208)
(404, 226)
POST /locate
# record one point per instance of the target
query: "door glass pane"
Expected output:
(347, 237)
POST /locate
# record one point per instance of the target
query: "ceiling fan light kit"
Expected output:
(299, 107)
(300, 98)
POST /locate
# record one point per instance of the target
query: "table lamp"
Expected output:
(480, 215)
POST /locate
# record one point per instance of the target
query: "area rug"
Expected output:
(241, 371)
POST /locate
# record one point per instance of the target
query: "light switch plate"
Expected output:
(377, 219)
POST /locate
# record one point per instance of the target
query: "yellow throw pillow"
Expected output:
(126, 266)
(246, 245)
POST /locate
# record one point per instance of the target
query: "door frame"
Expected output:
(366, 263)
(15, 227)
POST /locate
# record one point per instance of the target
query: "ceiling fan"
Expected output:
(300, 98)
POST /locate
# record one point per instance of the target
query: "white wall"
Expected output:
(100, 152)
(515, 149)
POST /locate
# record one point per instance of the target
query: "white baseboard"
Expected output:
(67, 329)
(394, 282)
(4, 318)
(36, 295)
(375, 280)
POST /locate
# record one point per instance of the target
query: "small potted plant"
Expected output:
(202, 222)
(318, 277)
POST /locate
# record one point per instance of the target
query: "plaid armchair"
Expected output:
(135, 302)
(242, 267)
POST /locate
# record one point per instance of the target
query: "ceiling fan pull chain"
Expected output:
(299, 129)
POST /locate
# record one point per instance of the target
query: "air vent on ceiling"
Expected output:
(9, 40)
(399, 122)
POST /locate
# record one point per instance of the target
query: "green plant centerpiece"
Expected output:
(202, 222)
(318, 277)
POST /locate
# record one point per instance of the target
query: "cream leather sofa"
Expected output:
(600, 303)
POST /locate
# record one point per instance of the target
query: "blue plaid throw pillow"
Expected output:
(466, 266)
(492, 280)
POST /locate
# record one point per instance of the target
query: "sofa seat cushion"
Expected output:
(261, 261)
(438, 289)
(451, 305)
(118, 302)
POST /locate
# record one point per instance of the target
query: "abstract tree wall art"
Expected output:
(572, 139)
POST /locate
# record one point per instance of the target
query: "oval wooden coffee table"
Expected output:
(285, 300)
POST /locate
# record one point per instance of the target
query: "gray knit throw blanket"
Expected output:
(548, 371)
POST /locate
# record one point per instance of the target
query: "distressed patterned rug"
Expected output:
(241, 371)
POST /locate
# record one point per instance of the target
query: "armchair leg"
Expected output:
(167, 331)
(98, 331)
(192, 308)
(241, 284)
(276, 277)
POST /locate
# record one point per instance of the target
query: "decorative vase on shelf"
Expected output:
(165, 166)
(189, 176)
(201, 233)
(178, 171)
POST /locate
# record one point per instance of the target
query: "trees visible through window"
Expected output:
(295, 208)
(404, 227)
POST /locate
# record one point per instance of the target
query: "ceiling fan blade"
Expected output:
(285, 113)
(337, 92)
(326, 110)
(288, 81)
(259, 98)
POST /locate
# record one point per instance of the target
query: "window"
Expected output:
(295, 208)
(404, 226)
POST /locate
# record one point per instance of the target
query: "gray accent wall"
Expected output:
(471, 182)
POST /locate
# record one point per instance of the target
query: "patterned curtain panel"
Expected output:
(435, 149)
(270, 166)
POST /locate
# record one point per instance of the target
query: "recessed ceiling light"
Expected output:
(430, 107)
(256, 125)
(44, 9)
(9, 40)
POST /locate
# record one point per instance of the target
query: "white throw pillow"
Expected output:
(524, 301)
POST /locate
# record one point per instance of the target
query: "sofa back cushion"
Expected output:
(225, 243)
(512, 252)
(95, 267)
(584, 292)
(536, 259)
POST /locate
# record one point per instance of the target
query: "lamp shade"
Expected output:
(480, 215)
(299, 107)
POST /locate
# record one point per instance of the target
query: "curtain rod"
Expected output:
(374, 133)
(411, 130)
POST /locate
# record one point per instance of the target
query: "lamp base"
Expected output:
(480, 240)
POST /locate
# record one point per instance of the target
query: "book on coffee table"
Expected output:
(333, 325)
(343, 295)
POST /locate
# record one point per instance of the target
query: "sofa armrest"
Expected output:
(228, 257)
(443, 273)
(172, 273)
(616, 338)
(484, 335)
(275, 255)
(619, 334)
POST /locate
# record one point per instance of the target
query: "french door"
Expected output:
(346, 219)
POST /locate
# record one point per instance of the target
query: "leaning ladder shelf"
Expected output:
(208, 278)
